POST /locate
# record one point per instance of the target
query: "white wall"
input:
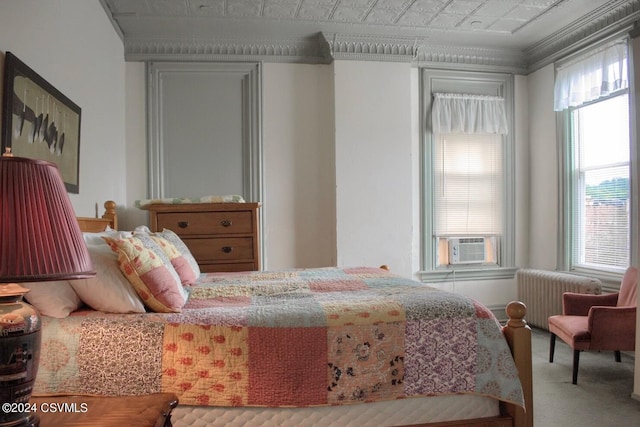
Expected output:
(543, 168)
(136, 147)
(374, 178)
(299, 166)
(73, 46)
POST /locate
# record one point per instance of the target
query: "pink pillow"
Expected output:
(178, 261)
(150, 274)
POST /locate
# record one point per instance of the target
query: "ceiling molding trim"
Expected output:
(371, 48)
(471, 58)
(611, 18)
(311, 51)
(421, 53)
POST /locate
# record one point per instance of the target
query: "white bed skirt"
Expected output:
(387, 413)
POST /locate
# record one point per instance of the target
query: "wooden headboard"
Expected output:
(94, 225)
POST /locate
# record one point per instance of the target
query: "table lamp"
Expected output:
(40, 241)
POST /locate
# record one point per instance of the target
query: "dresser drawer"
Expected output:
(220, 248)
(228, 266)
(202, 223)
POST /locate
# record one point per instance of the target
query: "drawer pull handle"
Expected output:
(226, 222)
(227, 249)
(183, 224)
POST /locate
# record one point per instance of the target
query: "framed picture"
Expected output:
(39, 121)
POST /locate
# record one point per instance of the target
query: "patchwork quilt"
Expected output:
(325, 336)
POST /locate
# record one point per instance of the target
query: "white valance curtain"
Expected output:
(591, 77)
(462, 113)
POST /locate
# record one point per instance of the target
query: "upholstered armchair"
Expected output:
(597, 322)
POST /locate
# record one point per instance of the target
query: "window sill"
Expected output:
(467, 273)
(610, 279)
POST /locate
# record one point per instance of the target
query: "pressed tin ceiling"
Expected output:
(502, 33)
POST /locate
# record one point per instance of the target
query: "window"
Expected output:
(467, 171)
(467, 195)
(596, 149)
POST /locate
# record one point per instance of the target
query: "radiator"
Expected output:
(541, 291)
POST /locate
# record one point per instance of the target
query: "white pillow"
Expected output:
(109, 291)
(97, 238)
(55, 299)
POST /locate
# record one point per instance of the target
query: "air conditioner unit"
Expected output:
(467, 250)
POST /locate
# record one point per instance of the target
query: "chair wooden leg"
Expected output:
(552, 347)
(576, 362)
(617, 354)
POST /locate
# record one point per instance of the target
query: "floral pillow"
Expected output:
(150, 272)
(182, 248)
(178, 261)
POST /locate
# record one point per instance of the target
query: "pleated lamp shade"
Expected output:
(40, 239)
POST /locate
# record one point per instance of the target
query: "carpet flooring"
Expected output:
(602, 396)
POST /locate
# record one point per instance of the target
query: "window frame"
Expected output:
(567, 196)
(480, 83)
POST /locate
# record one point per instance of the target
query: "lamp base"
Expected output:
(20, 336)
(30, 421)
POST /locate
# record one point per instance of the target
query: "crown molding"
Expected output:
(470, 58)
(305, 50)
(323, 49)
(612, 18)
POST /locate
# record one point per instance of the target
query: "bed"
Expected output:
(355, 346)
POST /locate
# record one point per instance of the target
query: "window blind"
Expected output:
(468, 189)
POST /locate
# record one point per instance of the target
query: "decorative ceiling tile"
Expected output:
(207, 7)
(280, 10)
(392, 4)
(356, 3)
(315, 12)
(524, 13)
(429, 5)
(243, 8)
(415, 19)
(463, 7)
(495, 8)
(128, 7)
(445, 20)
(382, 16)
(168, 7)
(541, 3)
(349, 14)
(320, 3)
(507, 25)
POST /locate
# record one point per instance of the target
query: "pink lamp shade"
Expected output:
(40, 239)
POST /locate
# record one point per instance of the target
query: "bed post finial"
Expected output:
(516, 311)
(518, 335)
(110, 213)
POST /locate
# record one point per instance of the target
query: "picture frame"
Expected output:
(39, 121)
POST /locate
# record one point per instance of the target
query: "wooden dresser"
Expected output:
(221, 236)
